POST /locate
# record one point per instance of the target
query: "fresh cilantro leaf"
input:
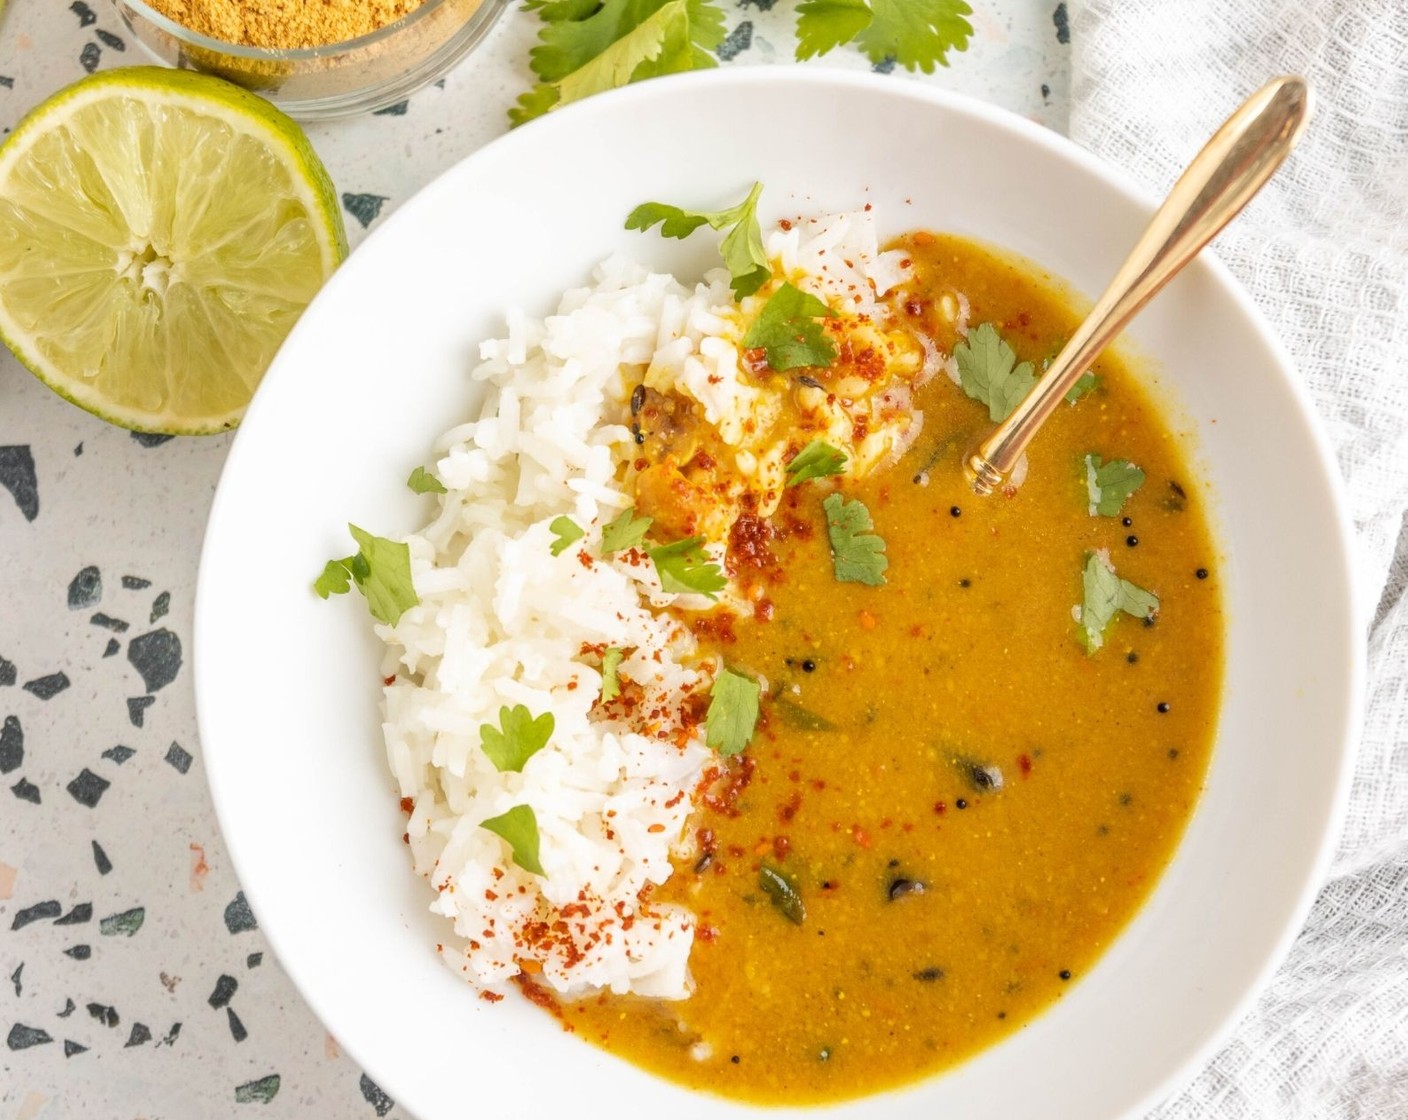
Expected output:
(567, 532)
(742, 246)
(584, 50)
(517, 738)
(918, 34)
(684, 567)
(1110, 485)
(733, 712)
(817, 460)
(1085, 383)
(519, 826)
(336, 578)
(381, 569)
(610, 682)
(857, 553)
(787, 329)
(988, 371)
(627, 531)
(423, 482)
(1105, 595)
(782, 892)
(551, 11)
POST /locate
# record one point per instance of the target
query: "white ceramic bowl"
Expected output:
(287, 684)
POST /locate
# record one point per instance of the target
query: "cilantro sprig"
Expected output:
(733, 712)
(787, 330)
(586, 46)
(1105, 595)
(857, 552)
(566, 533)
(989, 371)
(684, 568)
(380, 568)
(610, 679)
(423, 482)
(817, 460)
(1109, 485)
(517, 738)
(519, 826)
(626, 531)
(741, 247)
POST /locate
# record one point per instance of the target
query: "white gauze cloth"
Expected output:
(1324, 251)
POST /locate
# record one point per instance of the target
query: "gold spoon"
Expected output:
(1236, 163)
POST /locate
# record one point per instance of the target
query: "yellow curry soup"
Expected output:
(950, 808)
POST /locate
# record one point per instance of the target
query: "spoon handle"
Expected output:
(1236, 163)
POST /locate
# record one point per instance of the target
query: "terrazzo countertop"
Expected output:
(134, 980)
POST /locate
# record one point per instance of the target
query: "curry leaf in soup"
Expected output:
(610, 682)
(423, 482)
(685, 568)
(817, 460)
(566, 533)
(857, 553)
(795, 715)
(733, 712)
(517, 738)
(918, 34)
(1109, 485)
(1106, 595)
(788, 331)
(989, 371)
(741, 248)
(381, 569)
(519, 826)
(782, 892)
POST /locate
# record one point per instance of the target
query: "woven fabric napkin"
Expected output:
(1324, 251)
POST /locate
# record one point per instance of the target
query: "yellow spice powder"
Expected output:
(284, 24)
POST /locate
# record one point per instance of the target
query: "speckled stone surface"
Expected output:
(134, 981)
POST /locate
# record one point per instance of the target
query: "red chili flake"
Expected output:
(1024, 764)
(789, 810)
(763, 610)
(405, 837)
(860, 836)
(940, 808)
(584, 558)
(755, 360)
(784, 225)
(571, 686)
(490, 997)
(748, 544)
(915, 307)
(407, 804)
(781, 845)
(388, 681)
(705, 933)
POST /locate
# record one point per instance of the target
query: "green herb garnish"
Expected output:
(857, 553)
(591, 45)
(423, 482)
(610, 683)
(733, 712)
(1109, 485)
(989, 372)
(566, 531)
(742, 246)
(816, 460)
(588, 48)
(517, 738)
(788, 331)
(918, 34)
(627, 531)
(798, 717)
(782, 892)
(381, 569)
(1105, 595)
(1085, 384)
(685, 568)
(519, 826)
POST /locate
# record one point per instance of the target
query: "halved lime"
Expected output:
(160, 233)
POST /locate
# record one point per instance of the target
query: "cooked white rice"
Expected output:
(503, 622)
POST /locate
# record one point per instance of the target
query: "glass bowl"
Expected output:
(338, 80)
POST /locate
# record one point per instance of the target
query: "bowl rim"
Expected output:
(1342, 541)
(485, 13)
